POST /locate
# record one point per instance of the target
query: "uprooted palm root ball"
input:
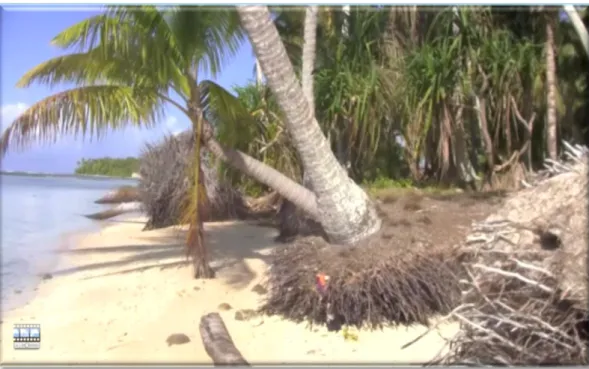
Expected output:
(525, 297)
(374, 284)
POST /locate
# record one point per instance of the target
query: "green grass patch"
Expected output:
(388, 190)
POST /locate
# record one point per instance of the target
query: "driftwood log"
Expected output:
(218, 342)
(123, 208)
(121, 195)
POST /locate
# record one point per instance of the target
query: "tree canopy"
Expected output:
(113, 167)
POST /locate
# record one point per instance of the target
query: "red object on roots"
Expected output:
(321, 282)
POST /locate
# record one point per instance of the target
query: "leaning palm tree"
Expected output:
(344, 209)
(129, 62)
(579, 26)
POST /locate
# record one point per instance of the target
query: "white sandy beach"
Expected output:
(120, 292)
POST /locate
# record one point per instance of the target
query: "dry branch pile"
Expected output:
(373, 284)
(525, 298)
(165, 182)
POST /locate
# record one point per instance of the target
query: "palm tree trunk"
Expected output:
(579, 27)
(551, 123)
(259, 75)
(291, 220)
(195, 246)
(345, 211)
(285, 186)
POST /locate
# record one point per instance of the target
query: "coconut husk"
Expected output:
(525, 297)
(165, 182)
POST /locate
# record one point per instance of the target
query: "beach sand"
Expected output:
(120, 292)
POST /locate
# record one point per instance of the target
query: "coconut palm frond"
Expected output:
(83, 69)
(86, 34)
(137, 43)
(224, 109)
(207, 35)
(86, 111)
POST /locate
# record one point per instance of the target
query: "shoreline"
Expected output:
(66, 175)
(64, 242)
(61, 243)
(129, 290)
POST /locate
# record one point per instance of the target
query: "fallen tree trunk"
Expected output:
(121, 195)
(124, 208)
(218, 342)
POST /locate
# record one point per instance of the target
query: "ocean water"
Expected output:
(37, 215)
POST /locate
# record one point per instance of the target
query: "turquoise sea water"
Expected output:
(37, 213)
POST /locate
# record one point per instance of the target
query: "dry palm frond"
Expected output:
(525, 298)
(193, 212)
(166, 170)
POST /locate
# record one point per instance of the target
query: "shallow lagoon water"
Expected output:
(37, 216)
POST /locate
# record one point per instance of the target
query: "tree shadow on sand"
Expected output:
(230, 246)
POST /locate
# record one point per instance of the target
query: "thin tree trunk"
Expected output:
(343, 154)
(529, 110)
(475, 137)
(461, 159)
(481, 108)
(346, 23)
(551, 123)
(195, 246)
(345, 211)
(309, 55)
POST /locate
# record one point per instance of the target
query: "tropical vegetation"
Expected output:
(113, 167)
(450, 96)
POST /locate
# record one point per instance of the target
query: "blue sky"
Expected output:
(25, 42)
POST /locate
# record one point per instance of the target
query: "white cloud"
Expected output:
(9, 113)
(172, 125)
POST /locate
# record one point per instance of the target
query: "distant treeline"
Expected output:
(114, 167)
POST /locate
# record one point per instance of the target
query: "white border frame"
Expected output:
(25, 4)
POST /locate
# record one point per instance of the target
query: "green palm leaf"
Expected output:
(86, 111)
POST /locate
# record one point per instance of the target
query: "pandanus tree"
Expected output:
(128, 62)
